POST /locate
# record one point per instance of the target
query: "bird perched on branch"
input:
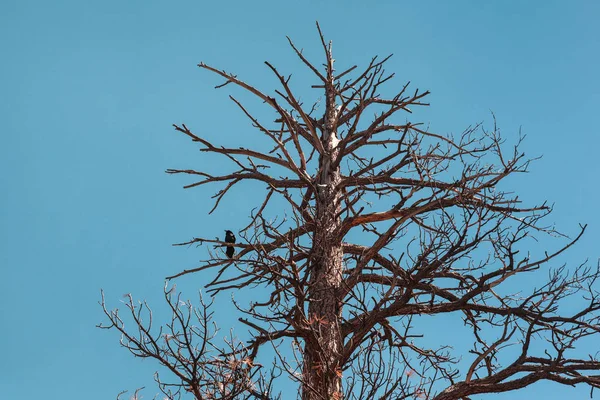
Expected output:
(229, 238)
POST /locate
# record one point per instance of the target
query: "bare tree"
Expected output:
(386, 223)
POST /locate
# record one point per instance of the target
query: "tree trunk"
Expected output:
(322, 369)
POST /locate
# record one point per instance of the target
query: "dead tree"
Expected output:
(386, 222)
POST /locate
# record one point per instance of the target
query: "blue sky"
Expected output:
(89, 93)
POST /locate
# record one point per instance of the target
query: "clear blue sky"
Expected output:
(89, 91)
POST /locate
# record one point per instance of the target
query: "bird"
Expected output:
(229, 238)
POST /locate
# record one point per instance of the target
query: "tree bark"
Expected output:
(322, 369)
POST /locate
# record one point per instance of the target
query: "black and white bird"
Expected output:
(229, 238)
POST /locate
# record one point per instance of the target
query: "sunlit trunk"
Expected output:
(322, 372)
